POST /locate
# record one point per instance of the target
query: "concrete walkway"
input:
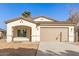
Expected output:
(58, 49)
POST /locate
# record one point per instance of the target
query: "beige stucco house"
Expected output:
(40, 29)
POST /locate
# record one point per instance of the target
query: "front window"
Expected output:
(21, 33)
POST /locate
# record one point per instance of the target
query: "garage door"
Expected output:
(54, 34)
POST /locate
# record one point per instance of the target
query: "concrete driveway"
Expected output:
(58, 49)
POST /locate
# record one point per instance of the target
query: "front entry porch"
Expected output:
(21, 33)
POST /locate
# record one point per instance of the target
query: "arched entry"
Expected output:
(21, 33)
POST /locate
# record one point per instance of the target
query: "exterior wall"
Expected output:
(0, 34)
(21, 39)
(71, 31)
(42, 19)
(34, 35)
(71, 34)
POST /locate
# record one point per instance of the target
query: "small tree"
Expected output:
(74, 15)
(26, 14)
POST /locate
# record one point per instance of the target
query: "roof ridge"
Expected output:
(44, 17)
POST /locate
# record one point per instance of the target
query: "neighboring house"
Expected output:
(2, 33)
(40, 29)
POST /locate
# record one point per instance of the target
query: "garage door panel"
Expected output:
(54, 34)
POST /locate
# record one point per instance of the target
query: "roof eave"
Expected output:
(11, 20)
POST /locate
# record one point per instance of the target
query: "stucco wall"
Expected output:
(34, 36)
(42, 19)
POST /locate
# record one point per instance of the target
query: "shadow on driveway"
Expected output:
(52, 53)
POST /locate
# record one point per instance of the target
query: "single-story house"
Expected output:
(41, 28)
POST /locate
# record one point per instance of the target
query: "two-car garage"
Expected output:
(54, 34)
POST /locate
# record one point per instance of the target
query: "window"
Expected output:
(21, 33)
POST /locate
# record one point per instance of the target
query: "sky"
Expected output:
(57, 11)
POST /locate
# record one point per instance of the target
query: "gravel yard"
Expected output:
(18, 48)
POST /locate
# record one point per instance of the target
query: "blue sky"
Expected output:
(53, 10)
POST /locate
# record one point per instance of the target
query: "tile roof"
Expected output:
(30, 19)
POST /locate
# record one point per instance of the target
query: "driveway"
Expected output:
(58, 49)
